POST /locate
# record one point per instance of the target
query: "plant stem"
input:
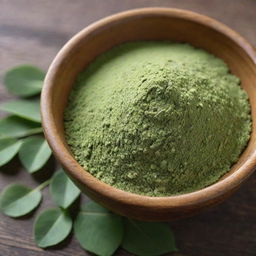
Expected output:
(35, 131)
(44, 184)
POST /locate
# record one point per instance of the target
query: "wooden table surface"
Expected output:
(32, 31)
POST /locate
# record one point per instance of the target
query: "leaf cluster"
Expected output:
(97, 229)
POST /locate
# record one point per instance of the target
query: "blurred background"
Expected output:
(32, 32)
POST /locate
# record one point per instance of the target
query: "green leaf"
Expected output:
(16, 127)
(18, 200)
(26, 109)
(51, 227)
(9, 147)
(34, 153)
(148, 238)
(24, 80)
(63, 190)
(98, 230)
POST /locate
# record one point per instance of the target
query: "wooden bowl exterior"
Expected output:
(147, 24)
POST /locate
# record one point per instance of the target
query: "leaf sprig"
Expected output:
(63, 190)
(18, 200)
(24, 81)
(97, 229)
(9, 147)
(51, 227)
(23, 120)
(16, 127)
(96, 225)
(34, 153)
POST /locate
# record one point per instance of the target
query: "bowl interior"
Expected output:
(148, 24)
(98, 39)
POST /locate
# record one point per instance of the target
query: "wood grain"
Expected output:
(32, 32)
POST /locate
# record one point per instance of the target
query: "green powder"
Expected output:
(157, 118)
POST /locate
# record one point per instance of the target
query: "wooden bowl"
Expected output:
(147, 24)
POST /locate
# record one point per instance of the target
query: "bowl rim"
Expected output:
(78, 173)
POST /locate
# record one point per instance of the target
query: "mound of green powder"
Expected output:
(157, 118)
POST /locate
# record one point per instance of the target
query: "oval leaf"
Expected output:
(18, 200)
(23, 108)
(16, 127)
(148, 238)
(24, 80)
(34, 153)
(8, 149)
(98, 230)
(63, 190)
(51, 227)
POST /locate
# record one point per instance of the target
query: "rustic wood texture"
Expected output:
(32, 32)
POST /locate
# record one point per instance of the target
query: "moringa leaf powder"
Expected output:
(157, 118)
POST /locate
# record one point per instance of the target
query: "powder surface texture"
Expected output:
(157, 118)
